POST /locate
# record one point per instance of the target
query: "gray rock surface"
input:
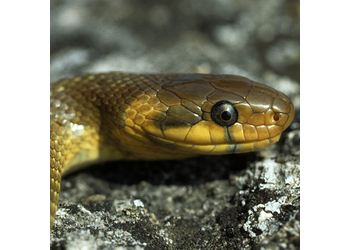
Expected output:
(248, 201)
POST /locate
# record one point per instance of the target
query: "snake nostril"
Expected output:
(276, 117)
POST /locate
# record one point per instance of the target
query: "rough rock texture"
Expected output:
(224, 202)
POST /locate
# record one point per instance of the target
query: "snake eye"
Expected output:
(224, 113)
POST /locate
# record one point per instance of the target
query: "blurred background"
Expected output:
(252, 38)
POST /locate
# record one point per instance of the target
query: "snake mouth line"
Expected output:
(215, 149)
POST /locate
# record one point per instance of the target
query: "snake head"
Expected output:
(214, 114)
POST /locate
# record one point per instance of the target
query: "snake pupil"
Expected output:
(224, 113)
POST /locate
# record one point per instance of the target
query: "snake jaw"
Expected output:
(190, 150)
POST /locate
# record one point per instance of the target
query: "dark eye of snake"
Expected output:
(224, 113)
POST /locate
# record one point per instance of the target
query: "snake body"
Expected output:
(114, 116)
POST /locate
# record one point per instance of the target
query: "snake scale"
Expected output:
(114, 116)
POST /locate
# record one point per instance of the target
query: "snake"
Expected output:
(126, 116)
